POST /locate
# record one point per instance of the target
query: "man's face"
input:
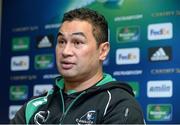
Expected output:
(77, 54)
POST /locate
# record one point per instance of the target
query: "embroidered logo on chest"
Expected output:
(41, 117)
(87, 118)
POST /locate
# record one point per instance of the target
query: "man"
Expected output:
(83, 94)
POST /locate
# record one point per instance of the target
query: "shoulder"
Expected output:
(124, 98)
(123, 108)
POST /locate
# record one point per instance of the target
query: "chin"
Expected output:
(67, 74)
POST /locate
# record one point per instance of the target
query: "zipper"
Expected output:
(63, 107)
(65, 111)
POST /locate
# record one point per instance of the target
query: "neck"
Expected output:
(80, 85)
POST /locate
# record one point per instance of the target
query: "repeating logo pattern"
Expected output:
(160, 53)
(160, 31)
(18, 92)
(44, 61)
(127, 56)
(20, 63)
(159, 112)
(128, 34)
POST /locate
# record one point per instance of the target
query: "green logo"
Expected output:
(19, 92)
(135, 87)
(128, 34)
(44, 61)
(20, 44)
(159, 112)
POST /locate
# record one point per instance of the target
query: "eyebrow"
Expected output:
(75, 33)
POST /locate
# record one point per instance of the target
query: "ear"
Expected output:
(103, 50)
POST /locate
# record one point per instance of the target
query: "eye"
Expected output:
(77, 43)
(61, 42)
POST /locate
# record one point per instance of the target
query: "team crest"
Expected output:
(88, 118)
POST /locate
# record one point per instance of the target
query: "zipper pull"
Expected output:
(126, 112)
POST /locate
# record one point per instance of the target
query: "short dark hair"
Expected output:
(97, 20)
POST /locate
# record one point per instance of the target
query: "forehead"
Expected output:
(75, 26)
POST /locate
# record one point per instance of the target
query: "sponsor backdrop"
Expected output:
(0, 21)
(144, 37)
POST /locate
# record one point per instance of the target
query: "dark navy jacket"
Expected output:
(107, 102)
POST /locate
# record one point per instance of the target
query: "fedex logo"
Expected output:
(160, 31)
(19, 63)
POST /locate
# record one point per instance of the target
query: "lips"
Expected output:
(66, 65)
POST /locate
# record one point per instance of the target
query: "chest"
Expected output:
(72, 111)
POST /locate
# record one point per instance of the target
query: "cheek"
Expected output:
(89, 52)
(58, 52)
(58, 55)
(89, 56)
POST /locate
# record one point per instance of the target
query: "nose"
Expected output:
(67, 50)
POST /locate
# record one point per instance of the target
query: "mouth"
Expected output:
(67, 65)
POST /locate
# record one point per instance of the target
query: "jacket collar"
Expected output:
(106, 79)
